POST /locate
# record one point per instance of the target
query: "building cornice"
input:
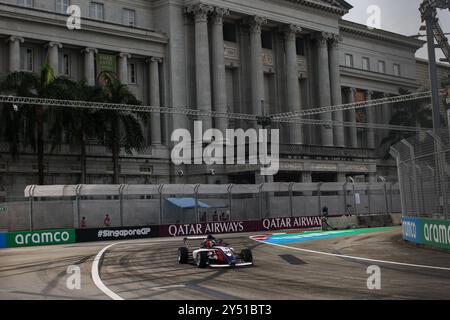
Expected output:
(383, 35)
(48, 17)
(340, 7)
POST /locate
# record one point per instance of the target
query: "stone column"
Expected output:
(386, 109)
(256, 65)
(202, 65)
(53, 56)
(324, 87)
(218, 68)
(336, 93)
(14, 53)
(123, 67)
(370, 112)
(155, 100)
(292, 86)
(89, 65)
(352, 119)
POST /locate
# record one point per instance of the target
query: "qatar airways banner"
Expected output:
(269, 224)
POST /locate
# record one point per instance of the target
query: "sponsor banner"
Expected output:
(2, 240)
(411, 229)
(193, 229)
(292, 223)
(119, 233)
(40, 238)
(435, 233)
(106, 62)
(179, 230)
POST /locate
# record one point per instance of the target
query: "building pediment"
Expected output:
(336, 6)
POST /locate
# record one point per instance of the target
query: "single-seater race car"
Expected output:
(213, 253)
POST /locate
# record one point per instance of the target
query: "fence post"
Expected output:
(121, 188)
(352, 181)
(395, 154)
(196, 202)
(440, 169)
(77, 201)
(319, 199)
(160, 190)
(414, 175)
(344, 189)
(260, 201)
(31, 195)
(229, 200)
(291, 185)
(383, 180)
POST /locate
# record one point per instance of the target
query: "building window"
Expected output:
(300, 45)
(266, 40)
(396, 70)
(62, 5)
(349, 60)
(366, 64)
(381, 66)
(132, 73)
(26, 59)
(229, 32)
(25, 3)
(129, 17)
(97, 11)
(66, 64)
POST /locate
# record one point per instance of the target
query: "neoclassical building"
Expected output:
(252, 57)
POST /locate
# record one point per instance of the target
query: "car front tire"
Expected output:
(246, 255)
(183, 255)
(202, 259)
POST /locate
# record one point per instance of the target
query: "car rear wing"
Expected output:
(187, 239)
(195, 238)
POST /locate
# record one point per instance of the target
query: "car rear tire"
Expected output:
(183, 255)
(246, 255)
(202, 259)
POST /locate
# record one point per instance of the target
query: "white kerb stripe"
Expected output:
(96, 277)
(356, 258)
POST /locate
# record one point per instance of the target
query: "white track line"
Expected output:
(96, 277)
(355, 258)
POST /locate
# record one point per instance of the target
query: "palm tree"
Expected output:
(29, 120)
(77, 124)
(122, 129)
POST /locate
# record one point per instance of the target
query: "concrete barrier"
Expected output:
(366, 221)
(342, 223)
(375, 221)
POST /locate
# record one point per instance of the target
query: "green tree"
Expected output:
(122, 130)
(74, 125)
(24, 125)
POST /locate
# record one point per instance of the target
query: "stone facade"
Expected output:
(255, 57)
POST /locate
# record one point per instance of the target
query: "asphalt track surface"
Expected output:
(148, 269)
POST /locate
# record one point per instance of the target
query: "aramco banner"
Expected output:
(40, 238)
(432, 233)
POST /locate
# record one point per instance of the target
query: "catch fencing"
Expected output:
(71, 206)
(424, 175)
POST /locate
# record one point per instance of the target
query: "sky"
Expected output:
(399, 16)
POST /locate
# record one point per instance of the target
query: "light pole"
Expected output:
(429, 18)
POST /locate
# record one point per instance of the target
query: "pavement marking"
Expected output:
(354, 258)
(96, 277)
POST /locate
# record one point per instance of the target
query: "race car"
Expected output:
(219, 255)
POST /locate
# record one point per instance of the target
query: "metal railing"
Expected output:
(64, 206)
(424, 175)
